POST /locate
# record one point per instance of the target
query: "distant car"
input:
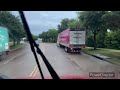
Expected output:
(37, 42)
(22, 42)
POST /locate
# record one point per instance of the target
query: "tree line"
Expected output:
(96, 24)
(49, 36)
(14, 26)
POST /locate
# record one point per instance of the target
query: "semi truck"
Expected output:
(4, 40)
(73, 40)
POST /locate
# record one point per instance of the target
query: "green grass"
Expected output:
(16, 46)
(113, 54)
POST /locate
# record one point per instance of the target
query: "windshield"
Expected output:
(77, 44)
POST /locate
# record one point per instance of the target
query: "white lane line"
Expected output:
(7, 62)
(13, 58)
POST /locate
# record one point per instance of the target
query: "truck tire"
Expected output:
(67, 49)
(6, 52)
(79, 51)
(57, 44)
(60, 46)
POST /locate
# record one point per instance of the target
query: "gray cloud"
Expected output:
(40, 21)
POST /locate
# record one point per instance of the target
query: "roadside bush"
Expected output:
(112, 40)
(89, 40)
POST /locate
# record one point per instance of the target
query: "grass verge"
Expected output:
(16, 46)
(113, 54)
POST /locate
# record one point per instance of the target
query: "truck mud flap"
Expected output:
(67, 49)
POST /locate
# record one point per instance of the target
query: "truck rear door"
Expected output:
(77, 37)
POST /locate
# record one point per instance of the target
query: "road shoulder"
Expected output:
(118, 64)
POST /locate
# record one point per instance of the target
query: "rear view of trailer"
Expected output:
(4, 40)
(72, 40)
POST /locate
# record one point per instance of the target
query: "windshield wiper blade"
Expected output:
(33, 44)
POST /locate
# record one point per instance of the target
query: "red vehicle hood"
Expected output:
(61, 77)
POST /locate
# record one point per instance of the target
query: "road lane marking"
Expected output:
(33, 71)
(7, 62)
(13, 58)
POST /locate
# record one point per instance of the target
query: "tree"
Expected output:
(112, 20)
(13, 24)
(52, 33)
(49, 36)
(89, 40)
(68, 23)
(73, 24)
(44, 36)
(35, 37)
(92, 20)
(100, 38)
(112, 39)
(63, 25)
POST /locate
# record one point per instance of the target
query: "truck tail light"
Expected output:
(71, 46)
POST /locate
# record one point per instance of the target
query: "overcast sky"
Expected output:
(40, 21)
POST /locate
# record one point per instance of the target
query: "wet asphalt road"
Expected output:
(21, 63)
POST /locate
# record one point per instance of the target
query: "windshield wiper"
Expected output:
(32, 45)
